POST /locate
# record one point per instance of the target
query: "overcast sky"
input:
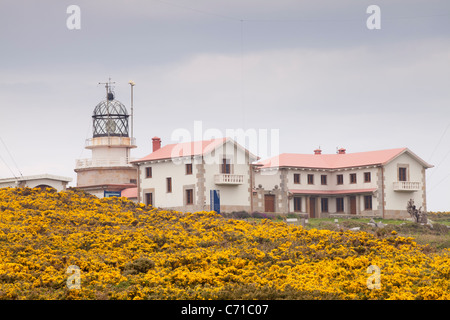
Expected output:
(311, 69)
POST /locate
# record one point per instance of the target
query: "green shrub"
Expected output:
(140, 265)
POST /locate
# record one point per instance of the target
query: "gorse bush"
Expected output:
(129, 251)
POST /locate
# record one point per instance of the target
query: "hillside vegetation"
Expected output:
(129, 251)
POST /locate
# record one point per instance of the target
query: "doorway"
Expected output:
(352, 205)
(312, 207)
(269, 203)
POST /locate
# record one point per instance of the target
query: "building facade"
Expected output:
(181, 176)
(375, 183)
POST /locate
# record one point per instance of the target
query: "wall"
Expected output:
(160, 172)
(332, 179)
(58, 185)
(396, 201)
(232, 197)
(106, 175)
(110, 153)
(284, 179)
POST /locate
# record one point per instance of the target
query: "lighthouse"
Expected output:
(109, 170)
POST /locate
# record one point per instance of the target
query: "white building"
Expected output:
(181, 176)
(36, 181)
(109, 170)
(374, 183)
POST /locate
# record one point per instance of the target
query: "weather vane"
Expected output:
(108, 87)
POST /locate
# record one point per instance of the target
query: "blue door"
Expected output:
(214, 196)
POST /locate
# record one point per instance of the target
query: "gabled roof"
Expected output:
(189, 149)
(335, 161)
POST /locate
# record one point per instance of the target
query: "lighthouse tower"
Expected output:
(108, 171)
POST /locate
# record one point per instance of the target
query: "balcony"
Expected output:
(407, 186)
(110, 142)
(96, 163)
(230, 179)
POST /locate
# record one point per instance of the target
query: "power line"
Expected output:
(3, 160)
(242, 75)
(435, 169)
(439, 142)
(11, 157)
(198, 10)
(443, 179)
(296, 20)
(346, 19)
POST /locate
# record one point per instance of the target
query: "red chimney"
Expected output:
(341, 151)
(156, 143)
(318, 151)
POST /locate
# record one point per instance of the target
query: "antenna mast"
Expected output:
(109, 96)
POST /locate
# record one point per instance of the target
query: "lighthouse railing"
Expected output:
(110, 141)
(95, 163)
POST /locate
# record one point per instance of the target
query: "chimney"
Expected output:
(156, 143)
(318, 151)
(341, 151)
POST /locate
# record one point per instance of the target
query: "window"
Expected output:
(149, 199)
(323, 179)
(148, 172)
(226, 166)
(402, 174)
(297, 178)
(339, 204)
(310, 179)
(297, 204)
(367, 177)
(189, 196)
(133, 181)
(188, 168)
(169, 184)
(352, 177)
(368, 202)
(340, 179)
(324, 203)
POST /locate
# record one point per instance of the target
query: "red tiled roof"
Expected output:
(188, 149)
(129, 193)
(184, 149)
(331, 192)
(334, 161)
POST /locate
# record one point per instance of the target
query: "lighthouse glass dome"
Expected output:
(110, 118)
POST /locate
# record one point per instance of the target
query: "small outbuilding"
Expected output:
(39, 181)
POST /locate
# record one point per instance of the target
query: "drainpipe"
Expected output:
(382, 191)
(138, 182)
(251, 186)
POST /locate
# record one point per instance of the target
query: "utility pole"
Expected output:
(132, 84)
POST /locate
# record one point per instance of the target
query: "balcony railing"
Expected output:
(408, 186)
(229, 178)
(96, 163)
(110, 141)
